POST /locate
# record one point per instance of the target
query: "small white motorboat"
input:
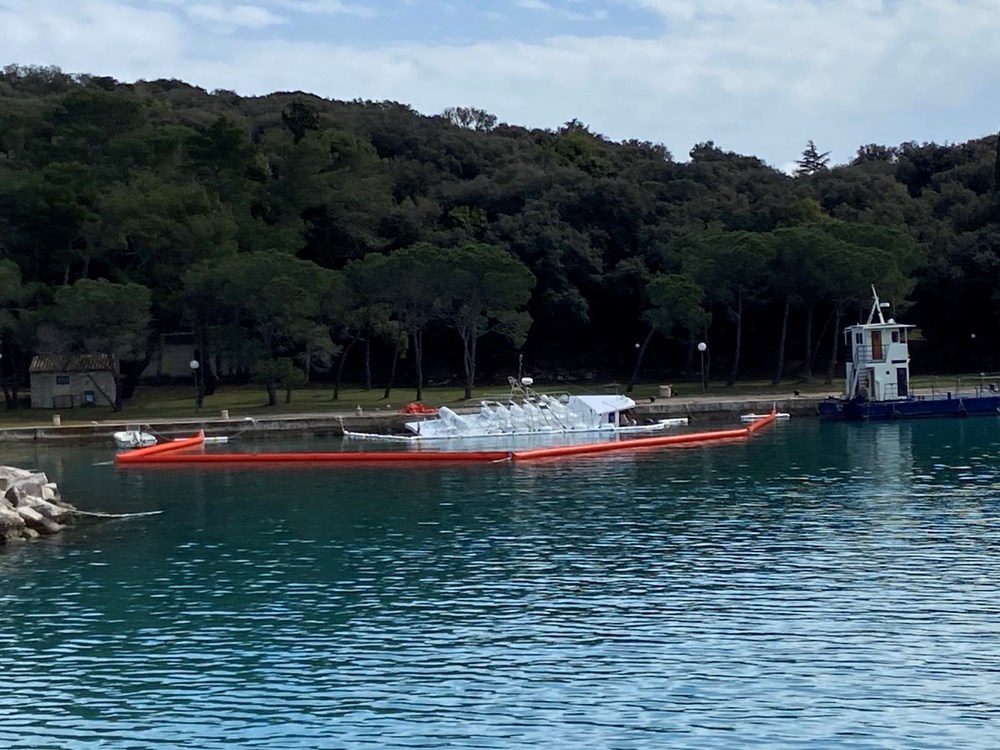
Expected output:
(756, 417)
(133, 438)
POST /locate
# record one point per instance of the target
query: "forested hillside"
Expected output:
(299, 238)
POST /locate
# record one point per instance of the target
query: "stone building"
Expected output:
(65, 381)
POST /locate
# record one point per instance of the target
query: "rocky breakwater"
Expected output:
(30, 505)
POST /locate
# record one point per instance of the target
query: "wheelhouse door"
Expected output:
(877, 345)
(902, 387)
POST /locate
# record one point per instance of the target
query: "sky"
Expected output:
(758, 77)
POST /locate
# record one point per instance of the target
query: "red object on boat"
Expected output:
(417, 407)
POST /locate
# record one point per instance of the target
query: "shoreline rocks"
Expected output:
(30, 506)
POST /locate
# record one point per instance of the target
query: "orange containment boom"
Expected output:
(155, 453)
(175, 452)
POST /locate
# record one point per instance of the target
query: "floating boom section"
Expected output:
(158, 452)
(563, 451)
(176, 452)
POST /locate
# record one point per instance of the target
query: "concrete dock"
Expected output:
(699, 409)
(731, 408)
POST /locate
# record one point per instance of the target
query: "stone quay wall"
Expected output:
(713, 409)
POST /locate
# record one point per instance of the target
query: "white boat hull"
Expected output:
(129, 439)
(533, 415)
(756, 417)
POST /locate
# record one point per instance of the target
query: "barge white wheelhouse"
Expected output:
(877, 381)
(879, 368)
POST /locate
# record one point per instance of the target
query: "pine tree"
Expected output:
(812, 161)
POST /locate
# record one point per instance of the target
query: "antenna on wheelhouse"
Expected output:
(877, 307)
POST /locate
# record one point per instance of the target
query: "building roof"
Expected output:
(43, 363)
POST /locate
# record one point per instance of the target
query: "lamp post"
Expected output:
(702, 348)
(195, 364)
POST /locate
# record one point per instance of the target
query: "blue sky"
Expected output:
(377, 22)
(758, 77)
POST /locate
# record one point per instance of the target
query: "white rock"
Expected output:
(53, 510)
(29, 505)
(11, 524)
(9, 474)
(35, 520)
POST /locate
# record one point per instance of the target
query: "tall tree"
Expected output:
(793, 282)
(732, 269)
(812, 161)
(413, 279)
(674, 304)
(13, 329)
(484, 290)
(279, 299)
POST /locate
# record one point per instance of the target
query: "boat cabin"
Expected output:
(879, 367)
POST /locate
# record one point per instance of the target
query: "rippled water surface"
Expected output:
(819, 586)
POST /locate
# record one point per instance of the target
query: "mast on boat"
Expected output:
(877, 308)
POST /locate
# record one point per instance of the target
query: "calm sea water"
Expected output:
(819, 586)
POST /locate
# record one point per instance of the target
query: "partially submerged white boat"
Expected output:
(530, 413)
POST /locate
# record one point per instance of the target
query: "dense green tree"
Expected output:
(99, 317)
(300, 117)
(14, 295)
(484, 290)
(996, 167)
(282, 301)
(470, 117)
(674, 306)
(564, 263)
(732, 268)
(798, 280)
(140, 183)
(874, 153)
(857, 257)
(412, 281)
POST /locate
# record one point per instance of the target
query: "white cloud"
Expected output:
(572, 15)
(533, 5)
(228, 16)
(327, 7)
(102, 37)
